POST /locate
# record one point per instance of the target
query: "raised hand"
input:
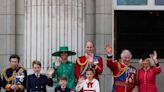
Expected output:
(154, 56)
(50, 72)
(108, 49)
(57, 62)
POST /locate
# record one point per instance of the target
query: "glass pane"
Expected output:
(131, 2)
(159, 2)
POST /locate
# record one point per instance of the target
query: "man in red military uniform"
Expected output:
(89, 60)
(124, 74)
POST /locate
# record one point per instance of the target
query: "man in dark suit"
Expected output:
(63, 87)
(37, 82)
(14, 77)
(0, 83)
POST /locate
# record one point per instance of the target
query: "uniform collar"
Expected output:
(37, 75)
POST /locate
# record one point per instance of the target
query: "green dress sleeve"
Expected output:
(53, 66)
(72, 77)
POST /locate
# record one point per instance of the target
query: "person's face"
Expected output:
(36, 68)
(89, 75)
(126, 58)
(64, 55)
(146, 63)
(89, 48)
(62, 82)
(14, 63)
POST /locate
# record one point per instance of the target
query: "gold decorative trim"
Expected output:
(78, 61)
(121, 70)
(8, 79)
(5, 76)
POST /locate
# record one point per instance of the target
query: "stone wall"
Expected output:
(7, 31)
(98, 25)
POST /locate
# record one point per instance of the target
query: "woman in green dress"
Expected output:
(63, 67)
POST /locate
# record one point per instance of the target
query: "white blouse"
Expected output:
(87, 86)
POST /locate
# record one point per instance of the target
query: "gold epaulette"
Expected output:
(121, 70)
(23, 68)
(78, 61)
(5, 76)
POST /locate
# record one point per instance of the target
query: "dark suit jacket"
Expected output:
(35, 84)
(0, 83)
(58, 89)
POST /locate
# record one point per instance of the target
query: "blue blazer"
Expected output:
(35, 84)
(58, 89)
(0, 83)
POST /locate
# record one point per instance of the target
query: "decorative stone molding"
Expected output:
(50, 24)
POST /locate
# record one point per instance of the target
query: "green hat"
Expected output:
(63, 49)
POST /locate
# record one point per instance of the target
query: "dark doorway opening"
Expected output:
(140, 32)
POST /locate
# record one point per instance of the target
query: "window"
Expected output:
(159, 2)
(131, 2)
(140, 32)
(138, 4)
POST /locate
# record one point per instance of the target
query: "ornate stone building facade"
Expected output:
(34, 29)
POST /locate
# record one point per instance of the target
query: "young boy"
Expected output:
(37, 82)
(88, 85)
(62, 87)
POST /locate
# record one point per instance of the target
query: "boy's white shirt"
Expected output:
(83, 85)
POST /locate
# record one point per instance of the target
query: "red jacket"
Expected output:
(124, 76)
(81, 63)
(147, 79)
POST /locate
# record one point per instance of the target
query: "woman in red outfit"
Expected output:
(147, 74)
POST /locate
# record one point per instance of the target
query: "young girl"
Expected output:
(88, 85)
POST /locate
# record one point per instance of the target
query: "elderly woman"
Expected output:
(147, 74)
(63, 67)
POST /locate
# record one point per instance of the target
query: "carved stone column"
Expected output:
(50, 24)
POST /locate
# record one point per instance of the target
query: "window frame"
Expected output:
(150, 6)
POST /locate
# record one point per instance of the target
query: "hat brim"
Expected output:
(151, 62)
(70, 53)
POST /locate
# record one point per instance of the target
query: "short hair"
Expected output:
(125, 52)
(63, 78)
(36, 62)
(89, 42)
(14, 56)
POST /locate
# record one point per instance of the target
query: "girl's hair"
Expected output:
(90, 69)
